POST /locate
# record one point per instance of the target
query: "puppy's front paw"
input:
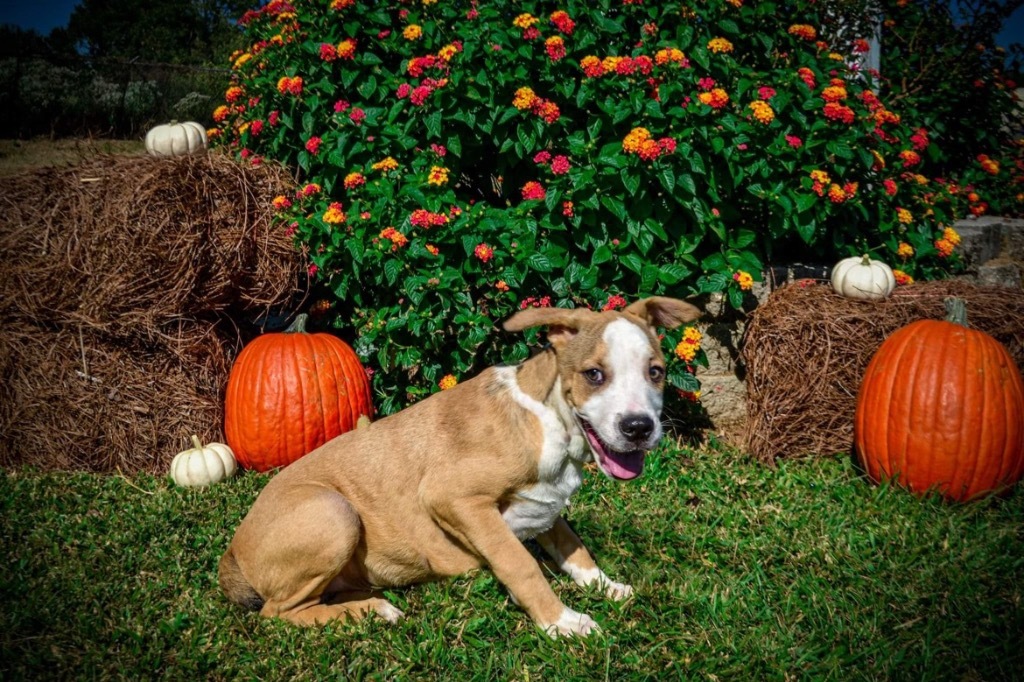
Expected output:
(617, 591)
(571, 624)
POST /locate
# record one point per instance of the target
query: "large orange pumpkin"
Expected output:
(291, 392)
(941, 408)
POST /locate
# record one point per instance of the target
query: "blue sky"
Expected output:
(45, 15)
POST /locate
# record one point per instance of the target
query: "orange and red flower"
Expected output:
(533, 191)
(804, 31)
(563, 22)
(484, 252)
(716, 98)
(838, 112)
(744, 280)
(438, 175)
(555, 47)
(720, 46)
(762, 111)
(334, 215)
(290, 85)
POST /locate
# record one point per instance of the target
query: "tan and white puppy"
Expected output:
(460, 479)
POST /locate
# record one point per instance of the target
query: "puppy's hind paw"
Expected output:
(388, 612)
(572, 624)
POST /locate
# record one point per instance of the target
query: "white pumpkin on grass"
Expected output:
(203, 464)
(176, 139)
(861, 278)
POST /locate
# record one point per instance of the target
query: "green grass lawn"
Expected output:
(742, 572)
(19, 156)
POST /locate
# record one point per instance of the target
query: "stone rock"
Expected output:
(724, 398)
(1000, 272)
(1013, 240)
(980, 240)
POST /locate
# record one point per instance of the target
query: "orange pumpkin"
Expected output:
(289, 393)
(941, 408)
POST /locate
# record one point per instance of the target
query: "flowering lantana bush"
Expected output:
(462, 160)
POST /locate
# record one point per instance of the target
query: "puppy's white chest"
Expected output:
(535, 509)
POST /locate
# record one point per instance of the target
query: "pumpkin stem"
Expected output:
(956, 311)
(299, 325)
(865, 259)
(198, 443)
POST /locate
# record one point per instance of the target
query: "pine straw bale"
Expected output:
(75, 400)
(127, 287)
(125, 244)
(807, 348)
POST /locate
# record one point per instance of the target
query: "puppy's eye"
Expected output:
(656, 373)
(594, 376)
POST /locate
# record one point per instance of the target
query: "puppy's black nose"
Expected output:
(636, 427)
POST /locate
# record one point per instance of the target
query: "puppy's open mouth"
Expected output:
(620, 465)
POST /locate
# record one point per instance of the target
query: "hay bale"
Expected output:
(77, 401)
(124, 244)
(129, 284)
(806, 350)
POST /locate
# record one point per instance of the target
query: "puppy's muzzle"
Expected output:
(636, 428)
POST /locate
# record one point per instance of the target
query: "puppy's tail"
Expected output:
(235, 585)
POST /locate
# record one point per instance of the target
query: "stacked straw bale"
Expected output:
(128, 286)
(807, 348)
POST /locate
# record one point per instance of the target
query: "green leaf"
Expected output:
(573, 272)
(526, 139)
(454, 145)
(602, 254)
(687, 183)
(648, 277)
(614, 205)
(605, 23)
(696, 164)
(673, 273)
(743, 238)
(715, 261)
(736, 298)
(392, 269)
(366, 89)
(728, 26)
(630, 181)
(633, 262)
(806, 230)
(840, 149)
(667, 178)
(684, 381)
(656, 228)
(805, 202)
(716, 281)
(644, 240)
(539, 262)
(433, 124)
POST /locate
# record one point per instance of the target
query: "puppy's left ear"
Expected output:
(660, 311)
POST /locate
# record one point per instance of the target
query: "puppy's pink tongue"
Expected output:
(624, 465)
(621, 465)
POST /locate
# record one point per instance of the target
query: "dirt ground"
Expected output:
(17, 156)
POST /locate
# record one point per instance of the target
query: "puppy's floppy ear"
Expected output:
(667, 313)
(562, 323)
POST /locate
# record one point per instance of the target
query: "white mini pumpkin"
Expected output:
(861, 278)
(203, 464)
(176, 139)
